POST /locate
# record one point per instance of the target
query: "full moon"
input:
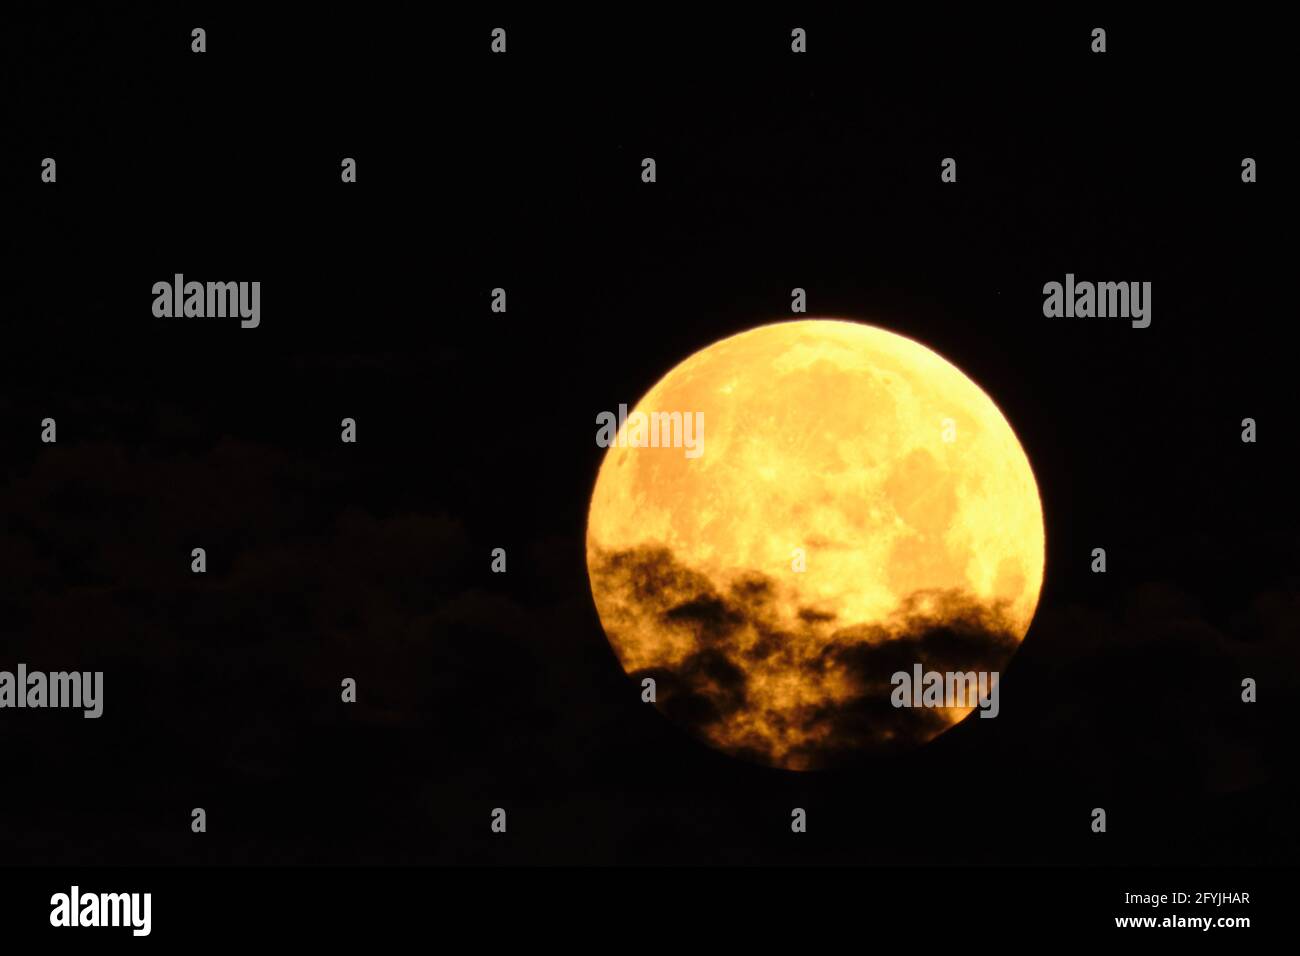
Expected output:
(849, 507)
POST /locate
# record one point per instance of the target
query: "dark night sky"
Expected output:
(477, 430)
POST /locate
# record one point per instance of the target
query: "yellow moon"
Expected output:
(853, 506)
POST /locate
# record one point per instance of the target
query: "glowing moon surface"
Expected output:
(856, 506)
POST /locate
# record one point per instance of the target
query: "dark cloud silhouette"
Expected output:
(846, 670)
(1149, 694)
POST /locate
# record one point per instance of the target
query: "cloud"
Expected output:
(797, 690)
